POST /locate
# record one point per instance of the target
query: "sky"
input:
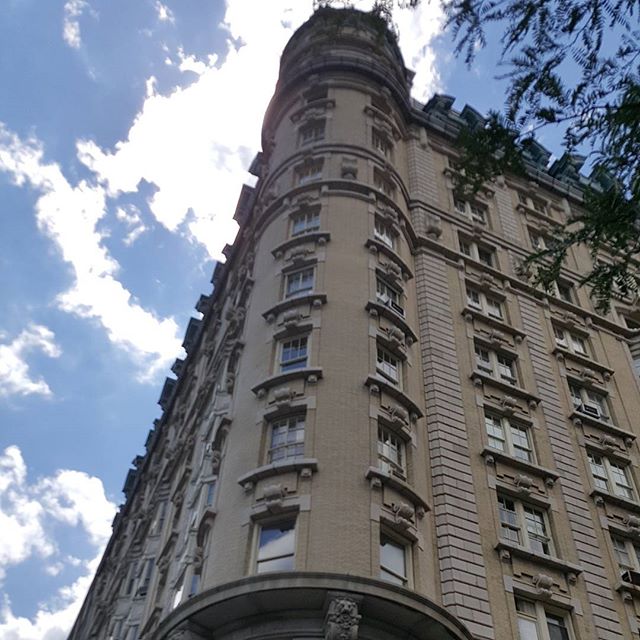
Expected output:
(126, 129)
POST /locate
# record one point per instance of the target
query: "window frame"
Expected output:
(475, 250)
(308, 172)
(471, 209)
(314, 126)
(507, 426)
(383, 183)
(385, 459)
(381, 143)
(568, 339)
(494, 367)
(384, 297)
(268, 525)
(289, 276)
(524, 536)
(484, 303)
(405, 547)
(307, 215)
(606, 480)
(539, 615)
(385, 366)
(284, 366)
(383, 232)
(582, 396)
(288, 420)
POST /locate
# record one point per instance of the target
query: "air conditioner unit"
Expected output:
(632, 577)
(590, 409)
(396, 307)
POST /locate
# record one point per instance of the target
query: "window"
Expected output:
(611, 476)
(382, 231)
(293, 354)
(276, 547)
(627, 553)
(309, 172)
(210, 493)
(178, 593)
(538, 241)
(388, 365)
(532, 203)
(393, 561)
(305, 222)
(482, 302)
(509, 437)
(472, 210)
(561, 290)
(477, 252)
(312, 131)
(145, 577)
(497, 365)
(287, 438)
(383, 183)
(524, 525)
(132, 632)
(590, 402)
(159, 518)
(536, 623)
(194, 585)
(299, 283)
(390, 452)
(570, 341)
(381, 143)
(131, 578)
(116, 631)
(388, 296)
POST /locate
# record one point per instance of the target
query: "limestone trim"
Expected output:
(538, 558)
(316, 237)
(310, 374)
(313, 299)
(548, 475)
(276, 468)
(377, 384)
(383, 310)
(578, 418)
(400, 485)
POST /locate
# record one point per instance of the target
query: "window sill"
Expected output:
(600, 497)
(549, 476)
(561, 353)
(577, 417)
(479, 378)
(313, 299)
(380, 384)
(399, 485)
(518, 551)
(276, 468)
(381, 247)
(317, 237)
(470, 313)
(629, 588)
(388, 313)
(310, 374)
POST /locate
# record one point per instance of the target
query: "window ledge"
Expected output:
(469, 313)
(317, 237)
(510, 548)
(480, 378)
(561, 353)
(381, 247)
(311, 374)
(314, 299)
(276, 468)
(601, 497)
(628, 588)
(377, 383)
(399, 485)
(391, 315)
(577, 417)
(548, 475)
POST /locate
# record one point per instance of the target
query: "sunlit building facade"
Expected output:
(381, 430)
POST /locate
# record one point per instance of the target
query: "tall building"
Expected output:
(381, 429)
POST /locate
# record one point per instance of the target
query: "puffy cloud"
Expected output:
(164, 13)
(15, 378)
(69, 216)
(30, 515)
(130, 216)
(72, 10)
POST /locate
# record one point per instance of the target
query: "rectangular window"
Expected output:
(536, 623)
(276, 547)
(132, 632)
(381, 143)
(305, 222)
(178, 593)
(287, 438)
(589, 402)
(627, 553)
(194, 585)
(611, 476)
(131, 578)
(472, 210)
(309, 172)
(532, 203)
(293, 354)
(485, 303)
(497, 365)
(384, 184)
(509, 437)
(388, 296)
(388, 365)
(524, 524)
(299, 283)
(480, 253)
(210, 493)
(159, 518)
(382, 231)
(538, 241)
(393, 561)
(561, 290)
(390, 452)
(145, 577)
(312, 131)
(570, 341)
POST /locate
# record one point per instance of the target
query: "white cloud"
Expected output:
(69, 216)
(72, 10)
(15, 378)
(30, 516)
(164, 13)
(130, 216)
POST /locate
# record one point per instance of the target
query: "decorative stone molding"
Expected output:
(523, 482)
(274, 495)
(433, 226)
(342, 620)
(283, 397)
(404, 515)
(609, 442)
(633, 524)
(544, 584)
(509, 405)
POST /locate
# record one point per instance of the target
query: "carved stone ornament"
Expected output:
(274, 496)
(342, 620)
(523, 482)
(404, 515)
(398, 415)
(544, 584)
(509, 405)
(433, 226)
(609, 442)
(283, 397)
(633, 524)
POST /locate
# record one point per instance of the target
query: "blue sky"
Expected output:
(125, 132)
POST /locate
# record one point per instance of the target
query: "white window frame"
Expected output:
(391, 451)
(527, 525)
(389, 296)
(382, 231)
(294, 281)
(485, 303)
(536, 617)
(311, 131)
(478, 252)
(285, 366)
(496, 364)
(260, 563)
(538, 240)
(570, 341)
(388, 573)
(381, 142)
(383, 183)
(304, 222)
(291, 426)
(562, 291)
(177, 593)
(505, 435)
(388, 365)
(146, 574)
(308, 172)
(589, 402)
(612, 476)
(532, 203)
(159, 518)
(631, 551)
(473, 210)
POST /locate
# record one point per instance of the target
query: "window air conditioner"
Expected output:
(632, 577)
(590, 409)
(396, 307)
